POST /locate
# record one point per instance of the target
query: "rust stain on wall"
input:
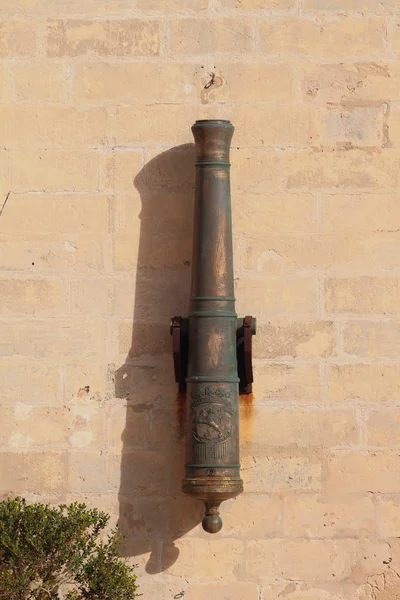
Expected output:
(246, 405)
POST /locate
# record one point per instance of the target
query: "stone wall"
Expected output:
(96, 193)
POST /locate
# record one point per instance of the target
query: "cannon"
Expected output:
(212, 348)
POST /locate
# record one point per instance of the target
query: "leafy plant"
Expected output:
(49, 553)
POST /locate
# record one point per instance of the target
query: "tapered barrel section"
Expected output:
(212, 471)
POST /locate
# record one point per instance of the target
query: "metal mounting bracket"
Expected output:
(245, 330)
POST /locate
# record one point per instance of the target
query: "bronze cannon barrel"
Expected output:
(212, 348)
(212, 470)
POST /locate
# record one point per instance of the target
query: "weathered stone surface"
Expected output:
(97, 99)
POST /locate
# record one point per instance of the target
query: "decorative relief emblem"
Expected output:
(212, 422)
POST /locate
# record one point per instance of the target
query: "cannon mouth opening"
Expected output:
(218, 122)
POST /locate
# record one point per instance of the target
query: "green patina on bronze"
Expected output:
(212, 406)
(212, 348)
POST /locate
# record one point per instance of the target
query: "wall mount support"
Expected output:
(245, 329)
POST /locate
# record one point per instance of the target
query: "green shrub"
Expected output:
(51, 553)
